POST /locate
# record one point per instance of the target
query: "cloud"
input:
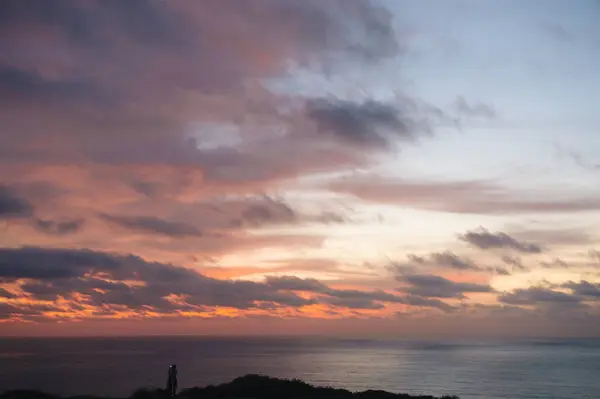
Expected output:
(443, 260)
(484, 239)
(9, 311)
(126, 115)
(584, 288)
(149, 189)
(50, 264)
(353, 303)
(264, 212)
(254, 212)
(108, 282)
(453, 261)
(102, 279)
(476, 110)
(139, 128)
(293, 283)
(578, 158)
(556, 263)
(6, 294)
(499, 270)
(428, 285)
(153, 225)
(551, 236)
(416, 300)
(58, 227)
(515, 262)
(537, 295)
(28, 86)
(371, 124)
(446, 259)
(462, 197)
(12, 206)
(353, 298)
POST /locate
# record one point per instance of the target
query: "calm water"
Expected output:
(482, 370)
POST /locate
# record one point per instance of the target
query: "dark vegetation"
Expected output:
(247, 387)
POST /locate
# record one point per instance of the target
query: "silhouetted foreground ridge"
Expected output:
(247, 387)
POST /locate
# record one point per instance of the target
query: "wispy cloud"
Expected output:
(467, 110)
(150, 224)
(59, 227)
(466, 197)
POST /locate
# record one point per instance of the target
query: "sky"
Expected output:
(340, 167)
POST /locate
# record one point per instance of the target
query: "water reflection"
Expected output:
(115, 367)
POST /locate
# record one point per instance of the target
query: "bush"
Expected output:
(251, 386)
(150, 393)
(263, 387)
(26, 394)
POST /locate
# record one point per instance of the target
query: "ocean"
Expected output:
(472, 370)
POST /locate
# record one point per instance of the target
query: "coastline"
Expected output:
(251, 386)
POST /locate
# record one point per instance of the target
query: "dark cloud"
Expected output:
(9, 311)
(367, 124)
(80, 25)
(416, 258)
(352, 303)
(24, 86)
(51, 264)
(6, 310)
(353, 298)
(501, 271)
(149, 189)
(515, 262)
(377, 295)
(28, 311)
(6, 294)
(484, 239)
(293, 283)
(415, 300)
(12, 205)
(428, 285)
(58, 227)
(269, 211)
(452, 261)
(100, 278)
(104, 280)
(442, 260)
(179, 63)
(536, 296)
(473, 110)
(584, 288)
(265, 211)
(153, 225)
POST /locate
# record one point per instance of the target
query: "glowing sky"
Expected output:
(398, 168)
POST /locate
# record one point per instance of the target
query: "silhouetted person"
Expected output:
(172, 380)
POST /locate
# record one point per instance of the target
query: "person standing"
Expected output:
(172, 380)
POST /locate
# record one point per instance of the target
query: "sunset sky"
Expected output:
(371, 168)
